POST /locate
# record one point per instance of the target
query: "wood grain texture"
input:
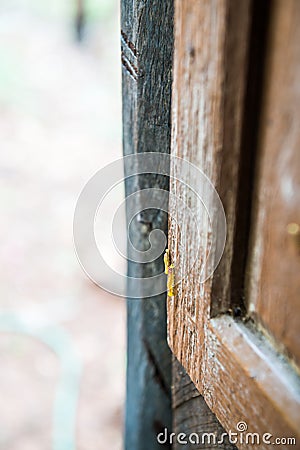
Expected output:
(236, 369)
(246, 380)
(192, 415)
(211, 39)
(274, 263)
(147, 45)
(242, 378)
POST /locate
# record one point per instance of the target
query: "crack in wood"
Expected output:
(127, 43)
(129, 57)
(130, 69)
(157, 373)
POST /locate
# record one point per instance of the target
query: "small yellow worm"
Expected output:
(171, 280)
(167, 261)
(169, 270)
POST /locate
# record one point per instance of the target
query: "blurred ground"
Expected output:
(60, 120)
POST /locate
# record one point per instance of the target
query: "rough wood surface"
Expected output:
(211, 40)
(147, 44)
(234, 367)
(246, 380)
(192, 415)
(274, 265)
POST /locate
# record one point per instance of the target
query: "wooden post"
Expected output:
(147, 43)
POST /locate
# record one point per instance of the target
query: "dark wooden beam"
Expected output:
(147, 44)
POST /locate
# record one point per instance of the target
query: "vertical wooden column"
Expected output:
(147, 43)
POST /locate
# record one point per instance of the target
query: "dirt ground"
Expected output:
(62, 339)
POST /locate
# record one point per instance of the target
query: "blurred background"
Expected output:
(62, 339)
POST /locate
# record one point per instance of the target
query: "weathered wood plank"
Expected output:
(246, 380)
(147, 44)
(192, 416)
(274, 263)
(210, 67)
(238, 372)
